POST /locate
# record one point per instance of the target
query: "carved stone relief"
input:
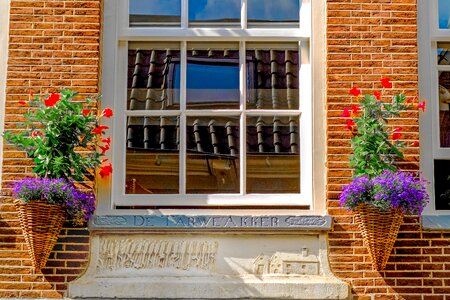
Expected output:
(287, 263)
(150, 254)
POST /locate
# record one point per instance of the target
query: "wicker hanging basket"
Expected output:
(379, 230)
(41, 223)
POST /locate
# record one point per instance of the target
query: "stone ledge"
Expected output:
(147, 264)
(211, 222)
(218, 287)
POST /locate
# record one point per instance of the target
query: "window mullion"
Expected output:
(243, 14)
(182, 126)
(242, 125)
(184, 14)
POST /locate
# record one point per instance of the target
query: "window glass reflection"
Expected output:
(152, 157)
(444, 108)
(212, 161)
(212, 79)
(155, 13)
(272, 76)
(280, 12)
(444, 14)
(213, 13)
(273, 164)
(153, 79)
(442, 183)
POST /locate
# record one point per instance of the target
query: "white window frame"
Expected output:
(4, 33)
(429, 35)
(117, 33)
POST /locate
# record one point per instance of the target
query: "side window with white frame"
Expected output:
(434, 76)
(213, 102)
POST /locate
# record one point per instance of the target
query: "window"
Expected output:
(434, 67)
(213, 102)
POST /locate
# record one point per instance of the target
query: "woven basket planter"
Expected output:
(379, 230)
(41, 223)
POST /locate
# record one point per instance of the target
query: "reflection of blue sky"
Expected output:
(212, 82)
(214, 9)
(444, 13)
(155, 7)
(270, 10)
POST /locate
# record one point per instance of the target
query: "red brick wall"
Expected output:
(52, 44)
(56, 44)
(367, 40)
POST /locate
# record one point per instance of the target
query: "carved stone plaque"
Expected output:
(150, 254)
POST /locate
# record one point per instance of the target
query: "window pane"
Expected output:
(444, 14)
(273, 162)
(153, 76)
(444, 108)
(272, 77)
(269, 12)
(212, 155)
(213, 13)
(442, 183)
(155, 13)
(443, 53)
(212, 79)
(152, 160)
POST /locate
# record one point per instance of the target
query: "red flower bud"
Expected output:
(86, 112)
(415, 144)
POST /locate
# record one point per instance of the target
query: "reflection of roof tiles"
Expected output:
(275, 84)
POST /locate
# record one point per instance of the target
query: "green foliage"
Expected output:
(57, 135)
(373, 148)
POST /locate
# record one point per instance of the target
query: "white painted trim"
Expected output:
(4, 34)
(312, 108)
(428, 36)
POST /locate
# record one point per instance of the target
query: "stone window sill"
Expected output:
(436, 222)
(211, 222)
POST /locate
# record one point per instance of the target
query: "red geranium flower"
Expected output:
(99, 129)
(410, 100)
(86, 112)
(355, 91)
(386, 83)
(415, 144)
(107, 112)
(105, 170)
(377, 95)
(396, 136)
(350, 124)
(52, 100)
(35, 133)
(107, 140)
(422, 105)
(346, 112)
(104, 148)
(355, 109)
